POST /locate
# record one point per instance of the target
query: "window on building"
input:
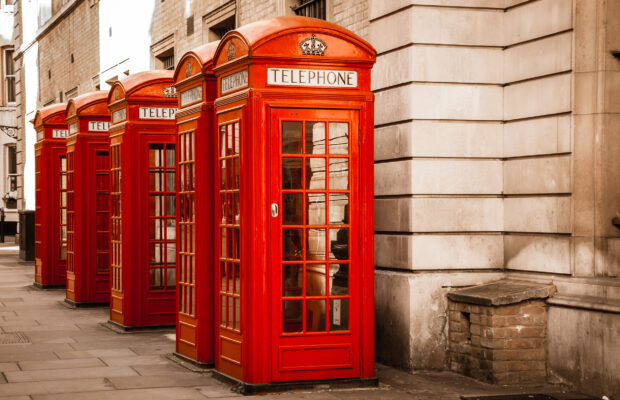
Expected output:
(45, 11)
(9, 76)
(167, 59)
(190, 26)
(11, 184)
(223, 27)
(311, 8)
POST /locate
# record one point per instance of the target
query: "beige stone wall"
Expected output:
(495, 152)
(76, 34)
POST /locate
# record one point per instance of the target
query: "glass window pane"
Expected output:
(229, 139)
(339, 173)
(222, 141)
(236, 138)
(156, 253)
(315, 280)
(292, 208)
(155, 279)
(315, 208)
(235, 181)
(315, 312)
(223, 308)
(156, 155)
(237, 314)
(315, 137)
(170, 205)
(291, 173)
(223, 240)
(223, 175)
(292, 316)
(338, 314)
(155, 231)
(170, 278)
(292, 280)
(338, 279)
(170, 253)
(235, 253)
(338, 138)
(155, 209)
(223, 276)
(170, 181)
(237, 278)
(315, 173)
(171, 229)
(315, 244)
(338, 208)
(170, 156)
(236, 207)
(291, 137)
(292, 244)
(230, 306)
(339, 244)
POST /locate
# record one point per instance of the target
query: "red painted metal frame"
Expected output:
(88, 276)
(132, 303)
(50, 267)
(248, 355)
(195, 266)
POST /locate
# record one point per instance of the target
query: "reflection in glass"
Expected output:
(338, 314)
(315, 208)
(237, 279)
(339, 244)
(292, 280)
(223, 307)
(223, 175)
(315, 173)
(170, 180)
(291, 173)
(155, 253)
(338, 208)
(338, 279)
(315, 137)
(292, 248)
(155, 205)
(292, 208)
(292, 316)
(315, 311)
(171, 230)
(170, 156)
(315, 280)
(155, 279)
(315, 239)
(170, 253)
(170, 278)
(339, 173)
(237, 314)
(223, 276)
(156, 155)
(223, 240)
(170, 205)
(229, 140)
(236, 138)
(222, 141)
(235, 253)
(291, 137)
(338, 138)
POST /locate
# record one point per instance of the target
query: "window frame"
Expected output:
(7, 53)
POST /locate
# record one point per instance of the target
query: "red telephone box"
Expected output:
(195, 84)
(88, 194)
(143, 168)
(50, 227)
(295, 215)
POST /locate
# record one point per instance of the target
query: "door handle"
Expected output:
(274, 210)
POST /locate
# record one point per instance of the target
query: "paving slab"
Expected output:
(135, 394)
(8, 366)
(61, 364)
(189, 379)
(68, 373)
(134, 360)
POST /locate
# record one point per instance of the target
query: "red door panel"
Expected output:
(314, 251)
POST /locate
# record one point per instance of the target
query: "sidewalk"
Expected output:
(48, 351)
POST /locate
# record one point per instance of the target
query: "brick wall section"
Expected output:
(502, 344)
(352, 15)
(252, 10)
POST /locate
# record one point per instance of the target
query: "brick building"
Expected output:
(496, 147)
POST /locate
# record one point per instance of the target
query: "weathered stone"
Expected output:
(502, 292)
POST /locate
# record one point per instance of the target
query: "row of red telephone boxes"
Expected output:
(232, 198)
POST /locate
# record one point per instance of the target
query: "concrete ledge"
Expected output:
(502, 292)
(586, 303)
(122, 329)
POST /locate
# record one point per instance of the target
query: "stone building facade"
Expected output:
(496, 147)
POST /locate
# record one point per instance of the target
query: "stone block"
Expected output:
(544, 96)
(439, 101)
(439, 139)
(438, 251)
(612, 92)
(538, 175)
(550, 254)
(552, 55)
(537, 19)
(379, 8)
(439, 214)
(380, 32)
(546, 135)
(537, 214)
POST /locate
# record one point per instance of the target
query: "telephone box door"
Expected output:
(315, 238)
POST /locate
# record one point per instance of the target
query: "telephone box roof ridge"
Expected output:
(256, 33)
(204, 54)
(133, 82)
(50, 111)
(85, 100)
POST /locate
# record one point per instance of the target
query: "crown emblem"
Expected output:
(231, 51)
(170, 91)
(313, 46)
(188, 69)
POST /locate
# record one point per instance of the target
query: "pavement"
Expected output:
(49, 351)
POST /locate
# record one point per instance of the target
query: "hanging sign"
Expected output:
(234, 81)
(98, 126)
(157, 112)
(311, 77)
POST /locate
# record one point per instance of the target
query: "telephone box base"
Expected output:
(72, 304)
(189, 363)
(120, 328)
(43, 286)
(249, 388)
